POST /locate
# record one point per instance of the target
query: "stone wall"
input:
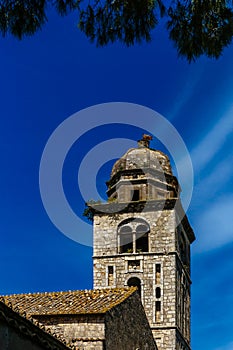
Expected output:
(162, 235)
(183, 301)
(83, 331)
(161, 251)
(165, 338)
(17, 333)
(127, 327)
(161, 298)
(10, 339)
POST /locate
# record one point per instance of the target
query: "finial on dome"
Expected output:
(145, 141)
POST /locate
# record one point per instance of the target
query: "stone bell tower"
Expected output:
(142, 238)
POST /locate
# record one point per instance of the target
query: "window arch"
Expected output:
(135, 282)
(133, 236)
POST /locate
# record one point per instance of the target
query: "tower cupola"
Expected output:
(142, 173)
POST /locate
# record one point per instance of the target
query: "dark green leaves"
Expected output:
(111, 20)
(200, 27)
(65, 6)
(197, 27)
(21, 17)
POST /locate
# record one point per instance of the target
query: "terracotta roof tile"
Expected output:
(97, 301)
(31, 330)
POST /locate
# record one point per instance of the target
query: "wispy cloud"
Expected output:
(228, 346)
(208, 147)
(213, 197)
(214, 225)
(215, 180)
(187, 92)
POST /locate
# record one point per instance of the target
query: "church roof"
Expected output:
(30, 330)
(97, 301)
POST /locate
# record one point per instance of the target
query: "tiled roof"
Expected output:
(97, 301)
(32, 330)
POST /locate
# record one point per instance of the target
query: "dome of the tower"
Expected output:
(142, 157)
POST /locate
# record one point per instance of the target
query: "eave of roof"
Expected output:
(133, 207)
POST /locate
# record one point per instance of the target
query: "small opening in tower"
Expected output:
(135, 282)
(158, 305)
(135, 195)
(157, 311)
(158, 293)
(110, 270)
(157, 273)
(133, 265)
(110, 275)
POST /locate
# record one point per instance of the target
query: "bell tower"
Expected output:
(142, 238)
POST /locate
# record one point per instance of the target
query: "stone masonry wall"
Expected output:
(165, 338)
(162, 251)
(127, 327)
(17, 333)
(86, 332)
(183, 301)
(162, 235)
(11, 339)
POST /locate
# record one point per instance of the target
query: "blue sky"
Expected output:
(45, 79)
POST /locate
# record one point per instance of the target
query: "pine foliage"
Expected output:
(196, 27)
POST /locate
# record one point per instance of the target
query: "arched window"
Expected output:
(142, 238)
(133, 236)
(135, 282)
(126, 239)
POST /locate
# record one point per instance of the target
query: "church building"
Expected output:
(141, 263)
